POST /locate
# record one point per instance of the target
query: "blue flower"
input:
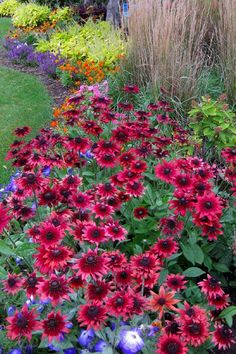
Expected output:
(11, 310)
(46, 171)
(28, 349)
(100, 346)
(130, 342)
(86, 337)
(70, 351)
(15, 351)
(52, 347)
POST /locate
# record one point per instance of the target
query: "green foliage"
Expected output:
(214, 123)
(30, 15)
(61, 14)
(5, 24)
(93, 41)
(8, 7)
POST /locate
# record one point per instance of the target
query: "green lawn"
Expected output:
(5, 24)
(23, 101)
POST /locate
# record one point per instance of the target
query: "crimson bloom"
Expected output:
(31, 284)
(195, 332)
(163, 301)
(54, 325)
(166, 171)
(120, 304)
(176, 282)
(165, 247)
(22, 131)
(211, 287)
(131, 89)
(55, 289)
(91, 263)
(13, 284)
(171, 344)
(22, 324)
(140, 213)
(52, 258)
(223, 337)
(208, 205)
(92, 315)
(49, 235)
(171, 226)
(97, 291)
(4, 218)
(94, 234)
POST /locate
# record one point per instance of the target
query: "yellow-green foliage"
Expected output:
(31, 15)
(93, 41)
(61, 14)
(8, 7)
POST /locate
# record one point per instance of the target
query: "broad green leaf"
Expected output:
(5, 249)
(193, 272)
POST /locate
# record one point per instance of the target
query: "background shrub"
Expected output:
(8, 7)
(30, 15)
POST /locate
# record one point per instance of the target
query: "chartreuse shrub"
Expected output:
(61, 14)
(213, 123)
(93, 41)
(8, 7)
(31, 15)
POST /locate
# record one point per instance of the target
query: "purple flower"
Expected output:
(48, 62)
(11, 310)
(15, 351)
(130, 342)
(46, 171)
(86, 337)
(70, 351)
(100, 346)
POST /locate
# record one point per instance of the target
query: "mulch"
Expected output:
(56, 90)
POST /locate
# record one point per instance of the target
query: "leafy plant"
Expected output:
(8, 7)
(31, 15)
(61, 14)
(213, 123)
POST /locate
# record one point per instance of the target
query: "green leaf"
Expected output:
(3, 273)
(188, 253)
(198, 254)
(25, 250)
(5, 249)
(193, 272)
(228, 314)
(221, 267)
(163, 276)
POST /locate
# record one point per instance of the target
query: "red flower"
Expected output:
(219, 301)
(171, 344)
(31, 284)
(55, 288)
(114, 231)
(94, 234)
(138, 166)
(120, 304)
(195, 332)
(75, 282)
(165, 247)
(211, 287)
(135, 189)
(123, 276)
(182, 181)
(140, 213)
(106, 147)
(91, 264)
(54, 325)
(13, 284)
(144, 264)
(192, 312)
(223, 337)
(30, 182)
(81, 200)
(131, 89)
(97, 291)
(126, 106)
(139, 304)
(106, 189)
(212, 231)
(176, 282)
(106, 160)
(171, 226)
(92, 315)
(163, 301)
(208, 205)
(22, 324)
(230, 155)
(182, 203)
(49, 235)
(166, 171)
(52, 258)
(4, 218)
(48, 196)
(102, 210)
(115, 259)
(22, 131)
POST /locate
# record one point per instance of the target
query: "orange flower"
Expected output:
(54, 124)
(163, 301)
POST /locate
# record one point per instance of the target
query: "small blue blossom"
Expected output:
(28, 349)
(86, 337)
(15, 351)
(46, 171)
(70, 351)
(131, 342)
(100, 346)
(11, 310)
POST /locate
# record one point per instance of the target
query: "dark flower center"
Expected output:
(161, 301)
(135, 186)
(175, 282)
(48, 196)
(108, 187)
(55, 285)
(173, 348)
(200, 187)
(31, 178)
(93, 311)
(55, 222)
(167, 171)
(195, 329)
(107, 144)
(124, 274)
(95, 233)
(213, 282)
(183, 181)
(225, 332)
(171, 224)
(90, 260)
(120, 301)
(165, 244)
(145, 262)
(174, 328)
(183, 201)
(22, 322)
(80, 199)
(102, 208)
(208, 205)
(49, 235)
(70, 180)
(108, 157)
(11, 282)
(190, 312)
(56, 253)
(31, 281)
(52, 323)
(98, 289)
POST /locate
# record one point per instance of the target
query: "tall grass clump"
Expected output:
(167, 46)
(226, 29)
